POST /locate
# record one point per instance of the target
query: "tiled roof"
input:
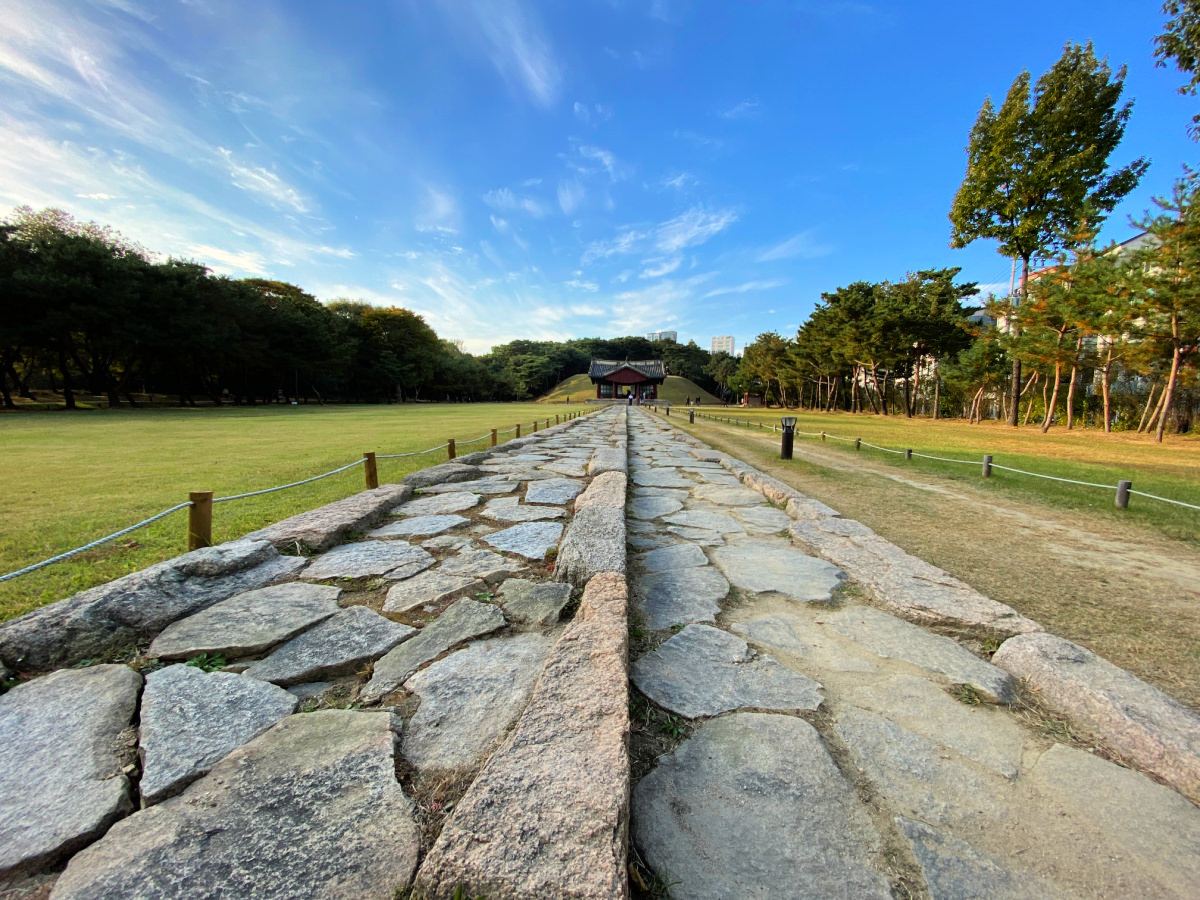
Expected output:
(649, 368)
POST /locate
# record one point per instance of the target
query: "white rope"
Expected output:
(103, 540)
(284, 487)
(884, 449)
(961, 462)
(415, 453)
(1164, 499)
(1103, 487)
(476, 440)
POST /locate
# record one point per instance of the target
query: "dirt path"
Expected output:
(1130, 594)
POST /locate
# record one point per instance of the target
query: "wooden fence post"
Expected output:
(822, 437)
(1123, 488)
(987, 465)
(450, 448)
(555, 419)
(200, 520)
(858, 443)
(908, 456)
(535, 424)
(493, 437)
(371, 471)
(518, 429)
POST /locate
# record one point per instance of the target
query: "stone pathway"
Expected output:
(419, 646)
(433, 701)
(838, 750)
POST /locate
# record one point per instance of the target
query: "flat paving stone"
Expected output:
(554, 490)
(432, 587)
(574, 468)
(248, 623)
(710, 521)
(763, 519)
(702, 537)
(391, 559)
(61, 783)
(729, 495)
(486, 565)
(463, 620)
(531, 540)
(704, 671)
(534, 603)
(764, 566)
(439, 504)
(752, 805)
(788, 635)
(954, 870)
(890, 637)
(657, 477)
(310, 808)
(681, 596)
(494, 485)
(470, 699)
(341, 645)
(679, 556)
(190, 720)
(510, 509)
(419, 526)
(653, 507)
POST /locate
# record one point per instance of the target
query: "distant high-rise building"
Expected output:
(723, 343)
(672, 336)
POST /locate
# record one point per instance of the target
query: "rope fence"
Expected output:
(199, 503)
(1124, 488)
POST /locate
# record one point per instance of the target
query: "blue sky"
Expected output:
(519, 169)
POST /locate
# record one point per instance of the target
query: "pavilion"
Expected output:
(615, 380)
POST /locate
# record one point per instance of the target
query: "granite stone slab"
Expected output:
(431, 588)
(391, 559)
(531, 540)
(681, 596)
(777, 566)
(439, 504)
(554, 491)
(415, 526)
(704, 671)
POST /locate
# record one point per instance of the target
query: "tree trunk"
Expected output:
(1157, 409)
(1051, 406)
(1105, 394)
(937, 391)
(1169, 390)
(1146, 412)
(1071, 400)
(1033, 379)
(68, 394)
(883, 396)
(1015, 387)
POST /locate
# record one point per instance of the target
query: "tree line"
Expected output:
(85, 310)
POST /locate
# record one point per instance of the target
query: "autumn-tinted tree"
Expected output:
(1038, 166)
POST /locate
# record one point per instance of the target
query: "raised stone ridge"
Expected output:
(548, 815)
(113, 617)
(322, 528)
(1138, 721)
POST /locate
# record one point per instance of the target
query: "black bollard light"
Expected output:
(691, 417)
(789, 436)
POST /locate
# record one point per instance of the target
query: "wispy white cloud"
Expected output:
(515, 43)
(657, 268)
(571, 195)
(692, 228)
(680, 181)
(504, 198)
(229, 262)
(749, 108)
(803, 245)
(596, 160)
(746, 288)
(264, 184)
(582, 285)
(627, 241)
(699, 140)
(501, 225)
(439, 213)
(593, 114)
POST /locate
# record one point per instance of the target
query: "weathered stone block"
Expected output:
(325, 527)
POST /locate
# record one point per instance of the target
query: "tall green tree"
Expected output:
(1180, 41)
(1038, 166)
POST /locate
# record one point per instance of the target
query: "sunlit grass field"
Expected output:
(69, 478)
(1170, 469)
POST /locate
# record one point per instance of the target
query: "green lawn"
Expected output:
(69, 478)
(1170, 469)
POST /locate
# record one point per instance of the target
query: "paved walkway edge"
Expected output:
(1149, 730)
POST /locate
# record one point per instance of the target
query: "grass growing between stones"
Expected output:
(70, 478)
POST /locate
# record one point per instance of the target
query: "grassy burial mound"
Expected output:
(674, 390)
